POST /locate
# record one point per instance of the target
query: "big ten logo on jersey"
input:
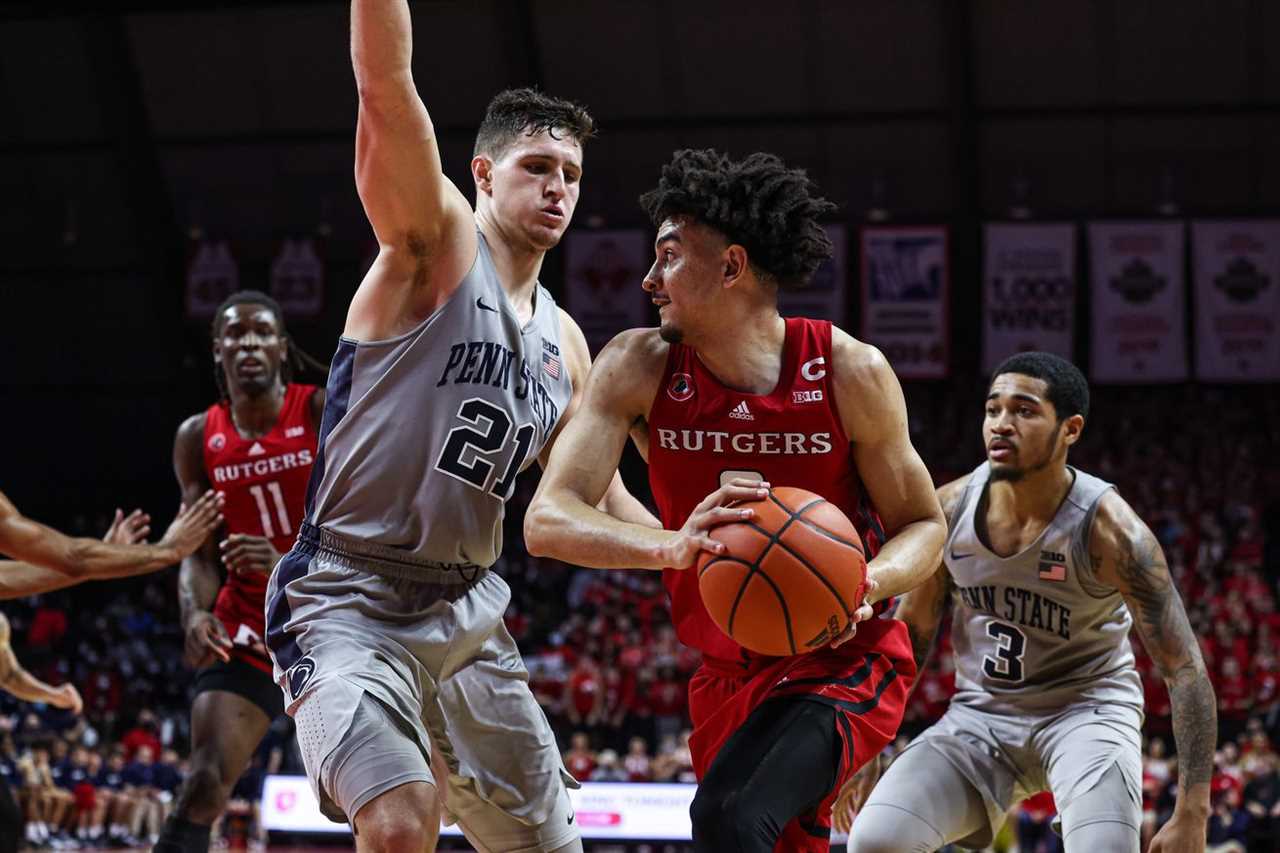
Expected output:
(493, 364)
(812, 370)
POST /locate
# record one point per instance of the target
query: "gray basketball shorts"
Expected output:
(394, 679)
(1008, 758)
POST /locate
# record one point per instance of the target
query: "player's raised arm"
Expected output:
(874, 413)
(617, 501)
(199, 578)
(47, 559)
(564, 521)
(1126, 555)
(423, 224)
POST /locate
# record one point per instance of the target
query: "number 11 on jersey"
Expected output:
(282, 515)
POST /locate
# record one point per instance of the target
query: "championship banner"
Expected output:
(297, 278)
(1237, 281)
(1029, 290)
(1139, 298)
(823, 298)
(212, 276)
(906, 283)
(604, 271)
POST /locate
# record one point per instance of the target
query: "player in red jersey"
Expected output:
(728, 397)
(255, 446)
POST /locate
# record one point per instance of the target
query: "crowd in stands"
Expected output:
(1197, 463)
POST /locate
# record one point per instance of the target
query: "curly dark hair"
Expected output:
(295, 362)
(757, 202)
(1067, 390)
(516, 112)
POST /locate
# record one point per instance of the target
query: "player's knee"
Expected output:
(879, 829)
(404, 820)
(722, 819)
(205, 792)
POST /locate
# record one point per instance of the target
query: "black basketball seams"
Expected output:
(728, 558)
(782, 602)
(800, 558)
(819, 529)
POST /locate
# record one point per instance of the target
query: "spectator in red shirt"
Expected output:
(638, 764)
(580, 760)
(586, 693)
(144, 733)
(1235, 699)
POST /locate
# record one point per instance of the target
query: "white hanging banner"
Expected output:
(1138, 294)
(212, 276)
(823, 298)
(906, 283)
(1237, 293)
(297, 278)
(1029, 290)
(604, 271)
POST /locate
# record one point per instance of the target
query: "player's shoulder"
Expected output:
(950, 494)
(639, 348)
(191, 430)
(856, 360)
(1116, 526)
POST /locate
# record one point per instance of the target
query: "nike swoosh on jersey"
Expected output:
(480, 304)
(956, 556)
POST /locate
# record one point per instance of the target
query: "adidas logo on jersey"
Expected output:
(257, 449)
(741, 412)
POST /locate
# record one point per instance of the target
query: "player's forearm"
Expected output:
(1195, 732)
(567, 528)
(93, 559)
(908, 559)
(624, 506)
(381, 42)
(26, 686)
(198, 584)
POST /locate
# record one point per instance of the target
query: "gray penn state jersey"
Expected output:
(1035, 632)
(423, 434)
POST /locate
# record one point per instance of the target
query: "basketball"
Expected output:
(791, 575)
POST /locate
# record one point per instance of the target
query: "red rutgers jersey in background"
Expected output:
(701, 434)
(265, 484)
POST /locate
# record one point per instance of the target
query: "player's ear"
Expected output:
(482, 173)
(735, 264)
(1072, 428)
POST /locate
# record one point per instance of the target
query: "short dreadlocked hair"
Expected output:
(295, 362)
(528, 112)
(758, 202)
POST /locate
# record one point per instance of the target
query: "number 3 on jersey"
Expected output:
(1011, 643)
(486, 436)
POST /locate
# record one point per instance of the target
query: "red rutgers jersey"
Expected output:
(264, 481)
(702, 434)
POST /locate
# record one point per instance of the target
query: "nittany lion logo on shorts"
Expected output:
(217, 441)
(681, 387)
(300, 675)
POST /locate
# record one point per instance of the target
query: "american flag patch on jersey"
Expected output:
(1053, 572)
(551, 364)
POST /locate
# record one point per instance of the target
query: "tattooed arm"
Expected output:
(923, 607)
(1127, 556)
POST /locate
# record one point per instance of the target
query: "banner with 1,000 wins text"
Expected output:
(1029, 290)
(1237, 284)
(1138, 295)
(906, 284)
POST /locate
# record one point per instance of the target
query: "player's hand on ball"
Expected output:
(243, 553)
(681, 551)
(128, 529)
(193, 524)
(854, 794)
(864, 612)
(1184, 833)
(206, 640)
(69, 698)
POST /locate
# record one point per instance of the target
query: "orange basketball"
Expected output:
(791, 576)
